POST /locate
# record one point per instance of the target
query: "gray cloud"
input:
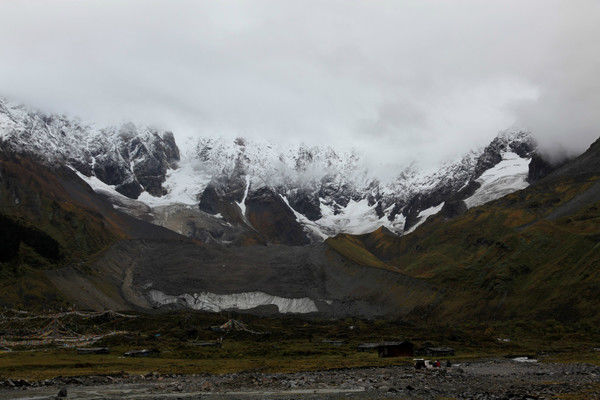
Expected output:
(399, 80)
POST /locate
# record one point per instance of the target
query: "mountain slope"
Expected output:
(52, 219)
(534, 253)
(314, 192)
(67, 245)
(134, 160)
(242, 228)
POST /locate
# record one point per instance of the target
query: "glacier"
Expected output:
(508, 176)
(207, 301)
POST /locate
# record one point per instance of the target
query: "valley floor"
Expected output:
(494, 378)
(287, 357)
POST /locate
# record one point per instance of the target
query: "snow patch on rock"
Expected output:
(242, 204)
(98, 186)
(423, 215)
(183, 185)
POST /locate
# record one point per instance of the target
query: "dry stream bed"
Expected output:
(495, 378)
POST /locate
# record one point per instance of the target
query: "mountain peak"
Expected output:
(328, 191)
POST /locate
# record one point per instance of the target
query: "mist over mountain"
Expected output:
(293, 194)
(417, 81)
(174, 138)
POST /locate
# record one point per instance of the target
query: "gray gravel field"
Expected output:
(482, 379)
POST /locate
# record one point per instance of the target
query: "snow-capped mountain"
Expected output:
(132, 159)
(286, 194)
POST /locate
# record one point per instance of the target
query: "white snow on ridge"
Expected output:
(207, 301)
(506, 177)
(98, 186)
(309, 226)
(183, 186)
(423, 215)
(356, 218)
(318, 170)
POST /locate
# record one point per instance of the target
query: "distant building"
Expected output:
(436, 351)
(390, 349)
(367, 346)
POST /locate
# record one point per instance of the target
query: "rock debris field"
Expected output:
(483, 379)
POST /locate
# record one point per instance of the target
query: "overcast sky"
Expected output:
(400, 80)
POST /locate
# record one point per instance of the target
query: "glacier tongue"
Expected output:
(207, 301)
(506, 177)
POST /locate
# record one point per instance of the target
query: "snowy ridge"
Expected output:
(131, 158)
(357, 218)
(329, 192)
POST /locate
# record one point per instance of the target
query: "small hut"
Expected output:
(396, 349)
(390, 349)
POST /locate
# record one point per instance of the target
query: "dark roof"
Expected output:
(394, 343)
(368, 345)
(440, 349)
(382, 344)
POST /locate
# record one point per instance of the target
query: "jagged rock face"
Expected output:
(324, 191)
(521, 143)
(152, 160)
(461, 182)
(467, 191)
(130, 158)
(306, 203)
(453, 208)
(270, 216)
(221, 193)
(540, 167)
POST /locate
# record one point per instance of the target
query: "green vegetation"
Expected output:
(514, 258)
(286, 345)
(351, 248)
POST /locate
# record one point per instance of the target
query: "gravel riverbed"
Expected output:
(482, 379)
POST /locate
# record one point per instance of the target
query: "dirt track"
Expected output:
(483, 379)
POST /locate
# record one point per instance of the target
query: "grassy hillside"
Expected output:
(42, 227)
(534, 254)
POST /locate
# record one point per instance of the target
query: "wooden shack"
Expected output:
(367, 346)
(390, 349)
(396, 349)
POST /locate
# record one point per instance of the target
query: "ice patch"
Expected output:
(98, 186)
(506, 177)
(423, 215)
(207, 301)
(242, 204)
(183, 185)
